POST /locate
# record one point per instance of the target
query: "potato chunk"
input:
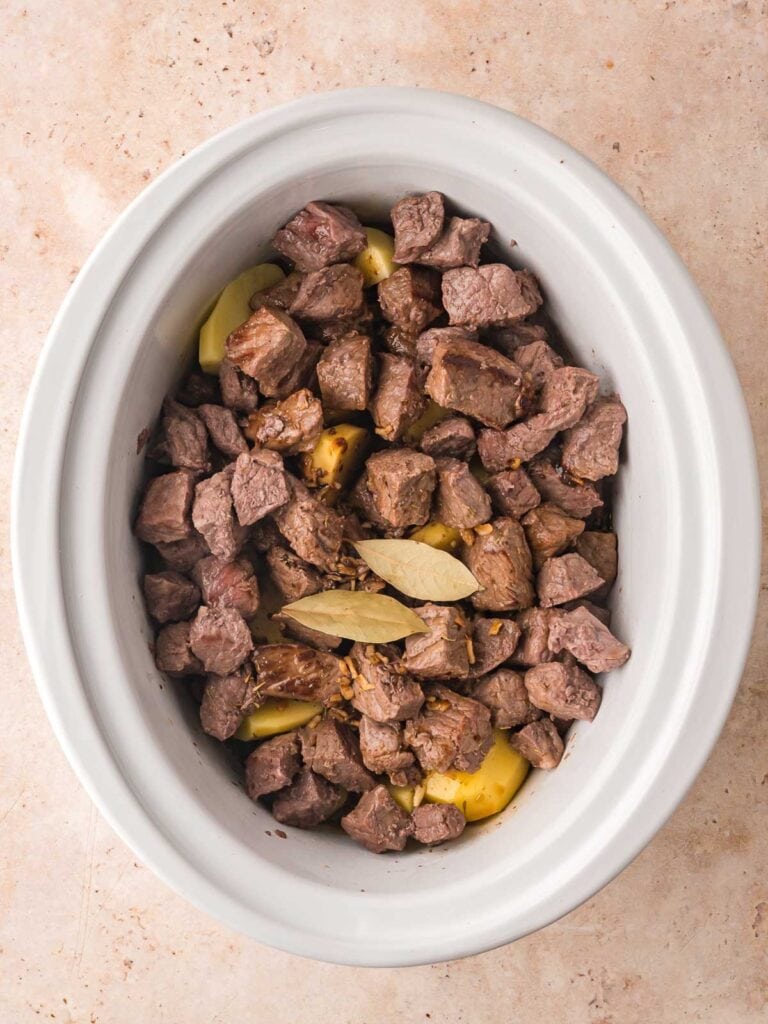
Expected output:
(276, 716)
(486, 791)
(376, 261)
(403, 796)
(438, 535)
(231, 310)
(335, 458)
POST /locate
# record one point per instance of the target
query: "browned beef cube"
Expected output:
(565, 395)
(427, 341)
(302, 374)
(290, 426)
(214, 517)
(591, 448)
(297, 672)
(173, 653)
(382, 750)
(565, 691)
(451, 731)
(378, 822)
(478, 381)
(345, 373)
(459, 245)
(164, 511)
(259, 485)
(452, 438)
(410, 298)
(401, 482)
(308, 801)
(584, 636)
(170, 596)
(549, 531)
(267, 347)
(183, 555)
(332, 749)
(601, 614)
(280, 295)
(361, 499)
(600, 550)
(239, 392)
(293, 577)
(220, 638)
(383, 690)
(184, 438)
(506, 449)
(493, 642)
(313, 530)
(512, 493)
(510, 338)
(228, 584)
(306, 635)
(578, 500)
(537, 359)
(462, 501)
(443, 652)
(564, 579)
(501, 563)
(227, 699)
(273, 765)
(503, 692)
(223, 429)
(333, 293)
(365, 322)
(400, 341)
(198, 388)
(399, 399)
(539, 743)
(418, 223)
(493, 294)
(437, 823)
(319, 235)
(533, 648)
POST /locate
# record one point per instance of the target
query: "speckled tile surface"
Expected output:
(671, 98)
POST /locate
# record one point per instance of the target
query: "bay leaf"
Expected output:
(418, 570)
(356, 615)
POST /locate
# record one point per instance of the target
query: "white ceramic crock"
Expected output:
(687, 515)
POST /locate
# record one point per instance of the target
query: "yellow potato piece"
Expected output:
(402, 795)
(431, 416)
(231, 310)
(486, 791)
(438, 535)
(276, 716)
(375, 262)
(335, 458)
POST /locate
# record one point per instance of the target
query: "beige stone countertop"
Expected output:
(671, 99)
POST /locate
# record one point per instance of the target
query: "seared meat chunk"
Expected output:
(290, 426)
(183, 555)
(383, 690)
(198, 388)
(223, 429)
(462, 501)
(280, 295)
(378, 822)
(451, 438)
(399, 399)
(459, 245)
(267, 347)
(170, 596)
(227, 699)
(565, 691)
(308, 801)
(400, 341)
(297, 672)
(400, 483)
(564, 579)
(220, 638)
(540, 743)
(427, 341)
(173, 654)
(332, 749)
(578, 500)
(382, 750)
(184, 438)
(501, 563)
(418, 223)
(504, 693)
(228, 584)
(306, 635)
(319, 235)
(333, 293)
(601, 614)
(164, 511)
(513, 493)
(584, 636)
(345, 373)
(260, 485)
(410, 298)
(443, 652)
(313, 530)
(601, 551)
(478, 381)
(533, 648)
(537, 359)
(437, 823)
(293, 577)
(239, 392)
(510, 338)
(273, 765)
(591, 448)
(549, 531)
(213, 514)
(490, 295)
(506, 449)
(302, 374)
(493, 642)
(451, 731)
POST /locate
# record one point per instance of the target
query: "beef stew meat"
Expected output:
(439, 402)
